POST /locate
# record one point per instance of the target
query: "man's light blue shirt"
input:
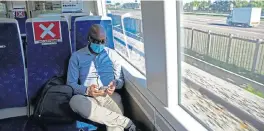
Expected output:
(86, 69)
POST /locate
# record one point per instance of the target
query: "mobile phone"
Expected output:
(103, 87)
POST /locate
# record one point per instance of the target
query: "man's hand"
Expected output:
(111, 88)
(94, 92)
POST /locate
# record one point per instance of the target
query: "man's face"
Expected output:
(97, 38)
(97, 34)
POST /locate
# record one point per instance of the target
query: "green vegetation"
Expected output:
(254, 91)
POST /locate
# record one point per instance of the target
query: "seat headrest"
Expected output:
(8, 20)
(49, 14)
(93, 18)
(48, 18)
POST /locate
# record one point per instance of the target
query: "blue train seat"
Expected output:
(66, 16)
(47, 56)
(72, 18)
(49, 14)
(12, 66)
(116, 19)
(21, 17)
(83, 24)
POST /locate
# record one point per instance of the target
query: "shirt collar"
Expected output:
(86, 50)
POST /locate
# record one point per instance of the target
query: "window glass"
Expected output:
(44, 7)
(2, 10)
(126, 19)
(2, 7)
(223, 63)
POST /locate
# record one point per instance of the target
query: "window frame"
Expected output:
(166, 31)
(159, 86)
(101, 7)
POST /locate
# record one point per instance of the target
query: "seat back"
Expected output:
(70, 18)
(83, 24)
(21, 17)
(47, 52)
(12, 66)
(73, 16)
(49, 14)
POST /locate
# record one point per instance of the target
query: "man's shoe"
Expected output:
(133, 128)
(136, 126)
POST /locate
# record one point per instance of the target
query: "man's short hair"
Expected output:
(97, 31)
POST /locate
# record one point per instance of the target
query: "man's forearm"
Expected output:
(78, 89)
(119, 83)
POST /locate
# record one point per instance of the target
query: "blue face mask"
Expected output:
(97, 48)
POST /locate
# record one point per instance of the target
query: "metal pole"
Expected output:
(28, 9)
(124, 32)
(6, 10)
(192, 39)
(256, 55)
(229, 47)
(208, 42)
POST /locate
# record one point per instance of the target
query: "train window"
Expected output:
(44, 7)
(2, 10)
(2, 7)
(222, 66)
(126, 19)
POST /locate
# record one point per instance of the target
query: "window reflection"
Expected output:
(127, 31)
(222, 66)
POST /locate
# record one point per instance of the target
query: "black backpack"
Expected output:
(52, 104)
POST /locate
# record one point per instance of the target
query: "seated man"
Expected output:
(99, 72)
